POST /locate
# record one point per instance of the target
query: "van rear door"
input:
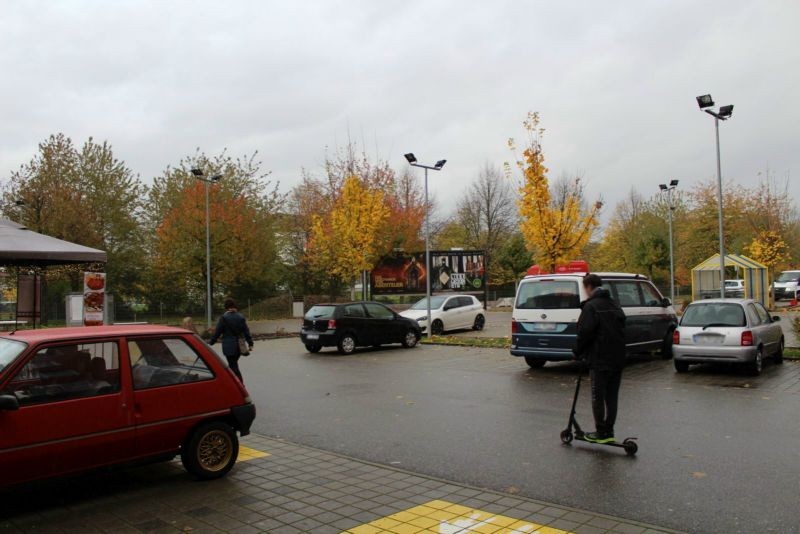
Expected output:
(546, 313)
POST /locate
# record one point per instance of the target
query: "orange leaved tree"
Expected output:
(556, 221)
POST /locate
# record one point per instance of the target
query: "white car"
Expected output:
(448, 312)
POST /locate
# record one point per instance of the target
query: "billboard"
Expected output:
(450, 270)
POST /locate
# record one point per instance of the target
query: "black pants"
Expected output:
(233, 363)
(605, 393)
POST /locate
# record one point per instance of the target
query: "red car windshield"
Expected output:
(9, 351)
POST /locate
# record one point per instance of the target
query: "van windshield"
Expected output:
(788, 276)
(548, 295)
(714, 314)
(9, 350)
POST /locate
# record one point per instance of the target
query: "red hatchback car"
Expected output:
(75, 399)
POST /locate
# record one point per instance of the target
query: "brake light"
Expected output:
(513, 327)
(331, 324)
(676, 337)
(747, 338)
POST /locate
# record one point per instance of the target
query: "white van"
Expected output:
(547, 307)
(787, 285)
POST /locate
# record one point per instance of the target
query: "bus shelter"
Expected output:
(21, 247)
(705, 278)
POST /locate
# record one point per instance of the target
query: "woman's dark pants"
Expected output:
(233, 363)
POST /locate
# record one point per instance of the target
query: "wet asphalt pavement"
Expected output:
(719, 451)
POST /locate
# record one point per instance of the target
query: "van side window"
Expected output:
(65, 372)
(628, 293)
(651, 295)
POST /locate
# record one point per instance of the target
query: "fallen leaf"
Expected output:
(513, 490)
(409, 403)
(698, 474)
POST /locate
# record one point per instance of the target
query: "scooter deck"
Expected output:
(629, 444)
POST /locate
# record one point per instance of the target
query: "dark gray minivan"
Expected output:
(547, 307)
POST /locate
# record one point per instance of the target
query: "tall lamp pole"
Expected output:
(198, 174)
(669, 191)
(724, 113)
(412, 160)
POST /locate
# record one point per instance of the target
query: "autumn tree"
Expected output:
(243, 209)
(316, 196)
(556, 222)
(86, 196)
(346, 241)
(487, 213)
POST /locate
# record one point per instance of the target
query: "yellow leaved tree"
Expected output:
(768, 248)
(346, 241)
(556, 222)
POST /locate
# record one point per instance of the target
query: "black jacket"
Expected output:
(231, 325)
(601, 332)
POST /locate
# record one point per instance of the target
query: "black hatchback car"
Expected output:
(356, 324)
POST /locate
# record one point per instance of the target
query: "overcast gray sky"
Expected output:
(614, 81)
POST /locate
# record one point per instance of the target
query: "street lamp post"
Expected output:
(724, 113)
(669, 191)
(198, 174)
(412, 160)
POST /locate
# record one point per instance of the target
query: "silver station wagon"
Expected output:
(738, 331)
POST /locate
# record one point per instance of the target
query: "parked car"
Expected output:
(75, 399)
(738, 331)
(356, 324)
(787, 285)
(547, 307)
(734, 289)
(448, 312)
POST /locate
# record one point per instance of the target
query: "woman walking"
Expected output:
(232, 326)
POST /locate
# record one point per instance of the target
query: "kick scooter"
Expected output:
(567, 435)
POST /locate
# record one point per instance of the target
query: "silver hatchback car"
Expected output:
(737, 331)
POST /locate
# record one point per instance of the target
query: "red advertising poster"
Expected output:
(94, 298)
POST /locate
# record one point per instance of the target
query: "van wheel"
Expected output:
(681, 367)
(778, 357)
(666, 345)
(347, 344)
(211, 450)
(535, 363)
(313, 348)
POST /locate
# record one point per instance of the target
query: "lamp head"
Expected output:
(197, 172)
(725, 111)
(674, 183)
(19, 203)
(216, 178)
(705, 101)
(411, 158)
(663, 187)
(440, 164)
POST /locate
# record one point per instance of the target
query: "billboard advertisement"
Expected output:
(94, 298)
(450, 270)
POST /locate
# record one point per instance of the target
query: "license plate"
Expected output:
(710, 340)
(544, 327)
(312, 336)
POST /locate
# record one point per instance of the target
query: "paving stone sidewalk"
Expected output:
(281, 487)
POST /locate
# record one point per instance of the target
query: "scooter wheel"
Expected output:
(566, 436)
(630, 447)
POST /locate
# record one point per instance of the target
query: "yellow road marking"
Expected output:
(442, 517)
(246, 453)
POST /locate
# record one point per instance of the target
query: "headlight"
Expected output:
(422, 318)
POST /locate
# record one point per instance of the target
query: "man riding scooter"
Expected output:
(601, 343)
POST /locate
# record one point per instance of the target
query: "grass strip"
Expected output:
(486, 342)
